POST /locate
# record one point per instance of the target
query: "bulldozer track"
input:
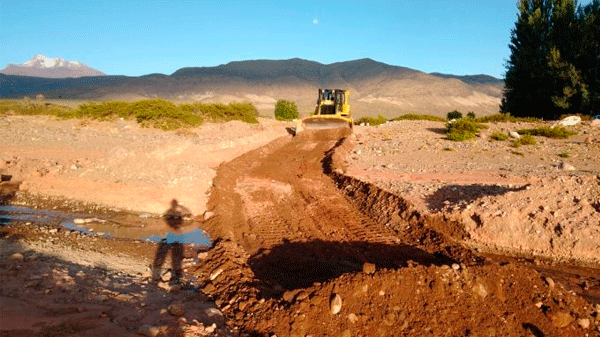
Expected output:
(279, 204)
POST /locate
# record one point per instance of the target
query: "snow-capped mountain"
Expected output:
(42, 66)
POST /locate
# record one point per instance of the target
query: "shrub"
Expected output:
(454, 115)
(415, 117)
(156, 113)
(471, 115)
(371, 120)
(163, 114)
(500, 136)
(285, 110)
(504, 118)
(460, 135)
(463, 129)
(27, 107)
(564, 154)
(558, 132)
(527, 140)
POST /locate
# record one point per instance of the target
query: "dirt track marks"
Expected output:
(293, 221)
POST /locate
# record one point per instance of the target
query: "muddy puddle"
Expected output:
(144, 227)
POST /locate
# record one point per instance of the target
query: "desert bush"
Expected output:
(27, 107)
(471, 115)
(162, 114)
(454, 115)
(500, 136)
(415, 117)
(558, 132)
(369, 120)
(285, 110)
(463, 129)
(219, 112)
(505, 118)
(564, 154)
(527, 140)
(102, 111)
(156, 113)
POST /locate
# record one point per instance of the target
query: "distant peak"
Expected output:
(41, 60)
(43, 66)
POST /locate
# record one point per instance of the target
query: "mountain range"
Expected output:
(42, 66)
(376, 88)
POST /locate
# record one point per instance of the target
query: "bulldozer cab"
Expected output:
(330, 101)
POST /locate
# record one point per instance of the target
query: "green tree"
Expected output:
(285, 110)
(588, 61)
(526, 92)
(454, 115)
(553, 67)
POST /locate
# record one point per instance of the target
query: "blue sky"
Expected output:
(461, 37)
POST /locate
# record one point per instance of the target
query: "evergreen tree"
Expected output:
(554, 62)
(526, 93)
(565, 82)
(588, 24)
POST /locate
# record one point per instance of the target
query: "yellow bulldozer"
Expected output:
(332, 111)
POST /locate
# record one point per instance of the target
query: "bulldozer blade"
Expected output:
(325, 123)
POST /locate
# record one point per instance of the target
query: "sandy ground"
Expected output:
(321, 234)
(121, 165)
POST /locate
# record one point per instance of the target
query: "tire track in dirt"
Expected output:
(289, 216)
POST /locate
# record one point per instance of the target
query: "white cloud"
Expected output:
(315, 21)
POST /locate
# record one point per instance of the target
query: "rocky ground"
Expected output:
(541, 199)
(388, 231)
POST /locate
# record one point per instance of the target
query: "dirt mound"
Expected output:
(291, 241)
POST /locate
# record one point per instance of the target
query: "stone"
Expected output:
(215, 274)
(480, 289)
(514, 134)
(202, 256)
(335, 304)
(166, 277)
(346, 333)
(561, 319)
(568, 121)
(566, 166)
(288, 296)
(595, 123)
(101, 298)
(455, 266)
(353, 318)
(208, 215)
(302, 295)
(211, 329)
(368, 268)
(148, 330)
(550, 282)
(584, 323)
(17, 257)
(176, 309)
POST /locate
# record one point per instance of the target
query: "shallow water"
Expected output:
(130, 226)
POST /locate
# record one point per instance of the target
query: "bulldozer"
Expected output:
(332, 111)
